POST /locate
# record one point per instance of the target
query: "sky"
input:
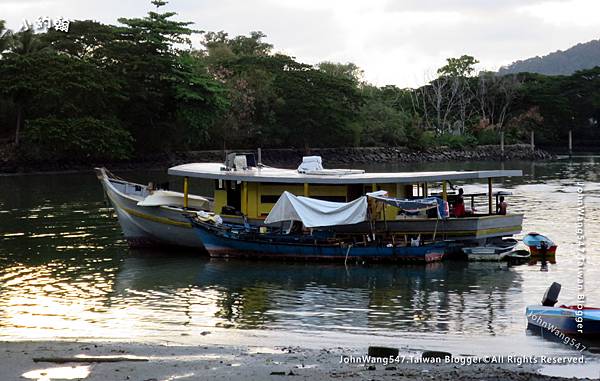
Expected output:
(400, 42)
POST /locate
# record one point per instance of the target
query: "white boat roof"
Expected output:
(216, 171)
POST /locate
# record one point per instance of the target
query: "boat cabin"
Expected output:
(245, 187)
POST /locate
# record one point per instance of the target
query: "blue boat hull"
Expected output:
(219, 244)
(569, 321)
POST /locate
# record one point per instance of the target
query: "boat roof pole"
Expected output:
(185, 192)
(444, 190)
(490, 195)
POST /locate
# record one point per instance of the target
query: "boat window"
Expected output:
(234, 195)
(272, 199)
(355, 191)
(330, 198)
(268, 199)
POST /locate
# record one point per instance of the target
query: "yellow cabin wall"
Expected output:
(275, 190)
(253, 208)
(220, 201)
(253, 199)
(390, 211)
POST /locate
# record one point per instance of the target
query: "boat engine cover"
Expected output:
(551, 296)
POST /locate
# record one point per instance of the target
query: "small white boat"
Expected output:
(518, 256)
(152, 217)
(495, 250)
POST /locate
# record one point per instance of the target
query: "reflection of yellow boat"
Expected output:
(245, 192)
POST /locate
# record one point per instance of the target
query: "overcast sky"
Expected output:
(399, 42)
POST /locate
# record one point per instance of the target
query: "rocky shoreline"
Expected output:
(405, 155)
(289, 157)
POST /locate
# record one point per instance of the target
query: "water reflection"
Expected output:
(59, 373)
(441, 297)
(150, 292)
(65, 271)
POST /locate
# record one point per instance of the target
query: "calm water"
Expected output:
(65, 272)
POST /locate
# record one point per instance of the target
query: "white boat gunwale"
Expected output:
(147, 225)
(108, 180)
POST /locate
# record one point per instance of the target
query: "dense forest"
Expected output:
(105, 92)
(579, 57)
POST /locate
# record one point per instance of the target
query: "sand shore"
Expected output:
(222, 362)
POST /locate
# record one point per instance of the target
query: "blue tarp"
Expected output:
(415, 205)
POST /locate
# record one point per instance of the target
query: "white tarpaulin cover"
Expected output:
(164, 197)
(313, 212)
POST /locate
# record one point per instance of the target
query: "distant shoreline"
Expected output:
(290, 157)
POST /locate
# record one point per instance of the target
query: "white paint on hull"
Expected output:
(150, 224)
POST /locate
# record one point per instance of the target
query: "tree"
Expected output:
(457, 71)
(382, 121)
(45, 84)
(316, 109)
(494, 96)
(5, 37)
(200, 99)
(18, 47)
(555, 107)
(146, 54)
(463, 66)
(86, 40)
(26, 42)
(252, 45)
(441, 94)
(348, 71)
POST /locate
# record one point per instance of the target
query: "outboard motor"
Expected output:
(551, 296)
(543, 248)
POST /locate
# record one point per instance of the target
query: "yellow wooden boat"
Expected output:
(245, 192)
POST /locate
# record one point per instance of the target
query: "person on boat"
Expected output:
(502, 205)
(459, 204)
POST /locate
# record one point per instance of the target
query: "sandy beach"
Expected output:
(167, 362)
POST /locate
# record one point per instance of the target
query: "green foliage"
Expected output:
(463, 66)
(382, 123)
(488, 137)
(84, 138)
(87, 40)
(5, 37)
(553, 105)
(109, 92)
(456, 141)
(198, 96)
(316, 109)
(25, 42)
(347, 71)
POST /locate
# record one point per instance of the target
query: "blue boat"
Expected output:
(539, 244)
(576, 320)
(228, 240)
(302, 228)
(567, 319)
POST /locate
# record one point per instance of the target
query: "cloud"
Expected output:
(568, 13)
(461, 5)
